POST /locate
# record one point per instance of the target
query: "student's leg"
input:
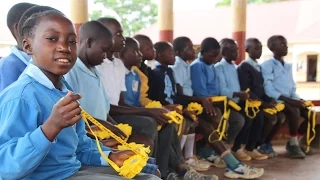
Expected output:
(293, 116)
(165, 138)
(234, 167)
(274, 122)
(143, 125)
(236, 123)
(176, 162)
(105, 173)
(242, 138)
(303, 130)
(255, 136)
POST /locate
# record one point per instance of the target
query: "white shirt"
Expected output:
(113, 74)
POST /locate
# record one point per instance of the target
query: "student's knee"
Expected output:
(281, 118)
(148, 126)
(292, 113)
(236, 119)
(270, 119)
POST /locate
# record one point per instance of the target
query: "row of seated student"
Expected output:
(48, 75)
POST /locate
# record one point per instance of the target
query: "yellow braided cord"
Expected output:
(127, 129)
(311, 124)
(132, 166)
(221, 130)
(253, 105)
(173, 115)
(195, 107)
(279, 107)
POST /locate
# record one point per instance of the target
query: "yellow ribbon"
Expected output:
(279, 107)
(173, 115)
(254, 105)
(221, 130)
(127, 129)
(311, 124)
(133, 165)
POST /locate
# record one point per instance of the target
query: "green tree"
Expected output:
(133, 14)
(228, 2)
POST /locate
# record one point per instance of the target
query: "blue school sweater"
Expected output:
(25, 152)
(12, 66)
(205, 82)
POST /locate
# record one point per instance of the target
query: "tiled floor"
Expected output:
(283, 168)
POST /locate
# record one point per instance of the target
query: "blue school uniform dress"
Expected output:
(12, 66)
(88, 83)
(278, 79)
(133, 83)
(25, 152)
(181, 73)
(228, 79)
(205, 82)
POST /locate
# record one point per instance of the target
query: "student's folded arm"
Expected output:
(23, 145)
(199, 81)
(87, 150)
(224, 90)
(268, 76)
(245, 78)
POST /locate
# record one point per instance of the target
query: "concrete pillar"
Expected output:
(165, 16)
(79, 12)
(239, 17)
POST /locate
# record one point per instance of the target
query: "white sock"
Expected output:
(183, 141)
(294, 141)
(188, 149)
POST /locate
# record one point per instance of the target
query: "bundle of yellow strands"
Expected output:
(173, 115)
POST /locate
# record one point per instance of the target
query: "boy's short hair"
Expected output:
(94, 29)
(161, 46)
(273, 39)
(15, 13)
(208, 44)
(224, 43)
(30, 12)
(108, 21)
(129, 43)
(249, 42)
(141, 37)
(180, 43)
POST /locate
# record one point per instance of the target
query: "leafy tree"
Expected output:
(133, 14)
(228, 2)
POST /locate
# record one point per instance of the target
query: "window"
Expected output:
(312, 61)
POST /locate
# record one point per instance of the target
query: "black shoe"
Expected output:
(295, 151)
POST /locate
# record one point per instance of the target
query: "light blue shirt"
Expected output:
(25, 152)
(132, 95)
(12, 66)
(228, 79)
(181, 73)
(278, 79)
(88, 83)
(204, 79)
